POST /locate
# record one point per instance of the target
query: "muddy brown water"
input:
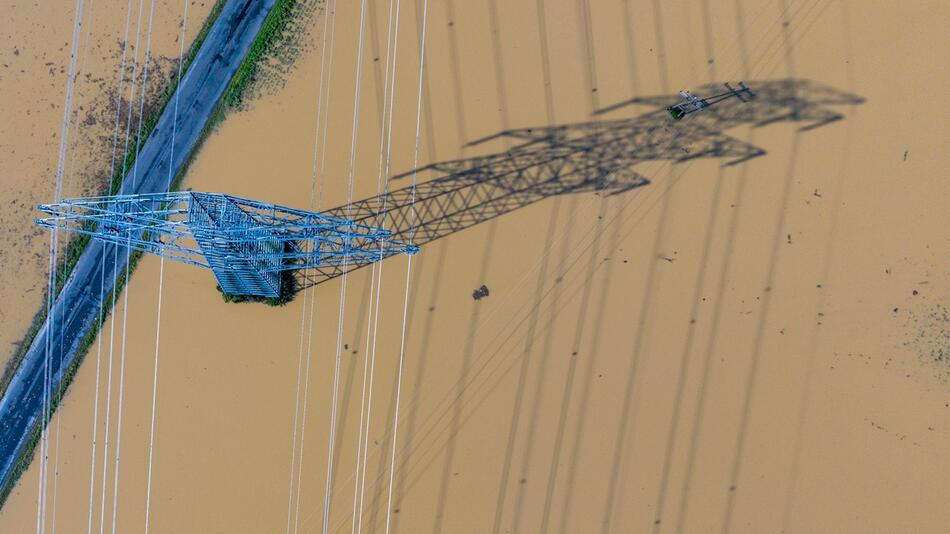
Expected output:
(801, 258)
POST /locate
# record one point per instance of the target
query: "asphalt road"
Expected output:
(75, 311)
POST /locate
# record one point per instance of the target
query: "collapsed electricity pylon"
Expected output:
(591, 157)
(246, 244)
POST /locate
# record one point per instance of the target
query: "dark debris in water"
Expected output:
(480, 293)
(929, 337)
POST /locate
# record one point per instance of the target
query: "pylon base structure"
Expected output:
(245, 243)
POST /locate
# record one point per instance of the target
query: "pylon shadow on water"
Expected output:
(590, 157)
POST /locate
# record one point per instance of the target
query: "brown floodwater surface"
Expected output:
(750, 348)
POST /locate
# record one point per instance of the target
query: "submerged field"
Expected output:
(748, 348)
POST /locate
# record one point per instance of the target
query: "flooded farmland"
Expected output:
(741, 348)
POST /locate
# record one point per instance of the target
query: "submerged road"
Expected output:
(78, 304)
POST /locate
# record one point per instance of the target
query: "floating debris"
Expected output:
(480, 293)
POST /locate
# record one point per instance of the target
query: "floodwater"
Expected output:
(751, 348)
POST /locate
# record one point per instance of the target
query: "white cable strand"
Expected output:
(95, 411)
(72, 156)
(369, 360)
(628, 202)
(54, 243)
(128, 122)
(308, 291)
(115, 275)
(46, 386)
(115, 253)
(67, 108)
(105, 452)
(293, 449)
(118, 430)
(161, 273)
(405, 306)
(385, 175)
(128, 282)
(319, 203)
(349, 200)
(142, 97)
(151, 432)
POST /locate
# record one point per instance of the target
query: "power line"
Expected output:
(115, 275)
(382, 183)
(54, 244)
(115, 146)
(339, 338)
(405, 306)
(161, 277)
(128, 281)
(322, 114)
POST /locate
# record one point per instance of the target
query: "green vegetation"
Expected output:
(288, 288)
(272, 32)
(287, 292)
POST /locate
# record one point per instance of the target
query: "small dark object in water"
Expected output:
(480, 293)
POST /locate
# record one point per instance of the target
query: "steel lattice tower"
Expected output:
(246, 243)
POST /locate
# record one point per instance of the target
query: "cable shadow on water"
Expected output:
(698, 289)
(350, 353)
(592, 352)
(814, 338)
(685, 357)
(589, 60)
(517, 405)
(554, 295)
(587, 50)
(386, 437)
(456, 74)
(828, 258)
(468, 350)
(422, 357)
(569, 381)
(765, 306)
(379, 84)
(625, 424)
(568, 147)
(523, 372)
(427, 451)
(589, 157)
